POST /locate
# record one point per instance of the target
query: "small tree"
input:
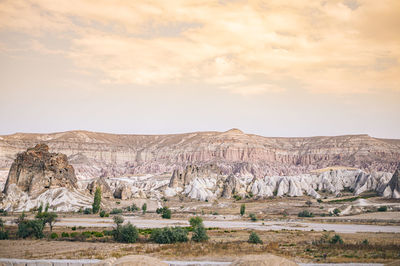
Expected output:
(144, 208)
(40, 208)
(118, 220)
(96, 200)
(254, 238)
(50, 218)
(166, 213)
(199, 234)
(3, 234)
(253, 217)
(134, 208)
(102, 213)
(195, 221)
(126, 233)
(242, 209)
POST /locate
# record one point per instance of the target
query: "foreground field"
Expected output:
(224, 245)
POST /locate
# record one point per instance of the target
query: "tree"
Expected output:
(126, 233)
(27, 228)
(254, 238)
(242, 209)
(166, 214)
(199, 234)
(96, 200)
(144, 208)
(3, 234)
(118, 220)
(195, 221)
(47, 218)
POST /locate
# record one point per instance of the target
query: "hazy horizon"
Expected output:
(276, 69)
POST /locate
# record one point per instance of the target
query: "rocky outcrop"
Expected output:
(100, 182)
(392, 190)
(39, 177)
(234, 152)
(333, 181)
(37, 170)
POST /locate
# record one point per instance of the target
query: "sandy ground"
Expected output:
(266, 225)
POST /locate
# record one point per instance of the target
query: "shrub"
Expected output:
(116, 211)
(107, 215)
(108, 232)
(166, 213)
(305, 213)
(336, 239)
(199, 234)
(365, 242)
(97, 234)
(74, 234)
(382, 208)
(118, 220)
(96, 200)
(242, 209)
(144, 208)
(87, 211)
(336, 212)
(102, 213)
(253, 217)
(64, 234)
(168, 235)
(134, 208)
(53, 235)
(27, 228)
(86, 234)
(73, 228)
(319, 200)
(254, 238)
(125, 233)
(4, 235)
(237, 197)
(196, 221)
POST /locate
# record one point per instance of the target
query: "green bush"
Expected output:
(365, 242)
(134, 208)
(73, 228)
(336, 212)
(27, 228)
(237, 197)
(96, 200)
(253, 217)
(74, 234)
(102, 213)
(305, 213)
(108, 232)
(195, 221)
(64, 234)
(126, 233)
(382, 208)
(4, 235)
(107, 215)
(86, 234)
(87, 211)
(97, 234)
(336, 239)
(144, 208)
(254, 238)
(199, 234)
(53, 235)
(169, 235)
(116, 211)
(242, 209)
(166, 213)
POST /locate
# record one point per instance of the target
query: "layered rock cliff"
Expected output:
(110, 155)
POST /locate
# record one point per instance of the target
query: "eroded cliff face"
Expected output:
(109, 155)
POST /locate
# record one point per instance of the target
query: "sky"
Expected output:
(274, 68)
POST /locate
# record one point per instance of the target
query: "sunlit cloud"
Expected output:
(334, 47)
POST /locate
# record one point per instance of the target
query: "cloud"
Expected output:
(244, 47)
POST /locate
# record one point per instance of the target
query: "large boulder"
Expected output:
(36, 170)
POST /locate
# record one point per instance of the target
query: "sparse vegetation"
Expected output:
(382, 208)
(254, 238)
(96, 200)
(169, 235)
(305, 213)
(253, 217)
(242, 209)
(116, 211)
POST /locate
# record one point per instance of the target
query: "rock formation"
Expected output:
(212, 184)
(392, 190)
(109, 155)
(100, 182)
(39, 177)
(37, 170)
